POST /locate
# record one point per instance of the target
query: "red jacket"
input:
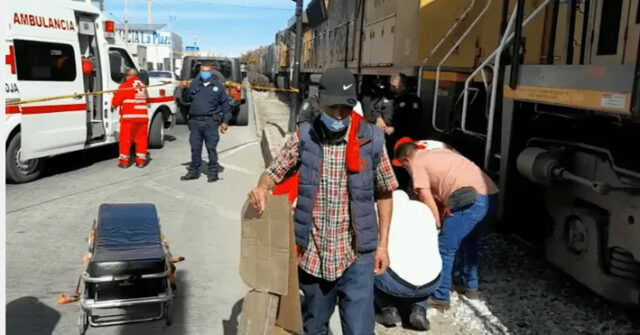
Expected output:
(132, 99)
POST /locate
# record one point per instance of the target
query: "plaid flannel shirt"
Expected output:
(331, 250)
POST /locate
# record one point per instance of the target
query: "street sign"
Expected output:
(191, 48)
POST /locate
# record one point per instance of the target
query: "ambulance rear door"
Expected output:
(47, 63)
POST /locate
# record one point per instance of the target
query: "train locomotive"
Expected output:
(541, 93)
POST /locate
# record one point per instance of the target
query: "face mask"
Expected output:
(205, 75)
(332, 124)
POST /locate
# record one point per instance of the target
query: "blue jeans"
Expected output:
(353, 292)
(461, 232)
(391, 292)
(204, 130)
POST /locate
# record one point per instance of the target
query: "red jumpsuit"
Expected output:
(132, 99)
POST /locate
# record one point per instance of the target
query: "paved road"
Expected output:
(48, 221)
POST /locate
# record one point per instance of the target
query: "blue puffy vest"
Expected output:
(361, 185)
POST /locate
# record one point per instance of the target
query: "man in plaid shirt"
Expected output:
(344, 170)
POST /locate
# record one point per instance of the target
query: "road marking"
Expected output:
(239, 168)
(209, 205)
(231, 151)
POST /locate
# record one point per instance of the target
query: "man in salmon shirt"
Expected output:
(459, 193)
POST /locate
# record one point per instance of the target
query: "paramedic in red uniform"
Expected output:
(132, 99)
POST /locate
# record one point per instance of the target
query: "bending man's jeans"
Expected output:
(353, 292)
(393, 292)
(462, 231)
(204, 129)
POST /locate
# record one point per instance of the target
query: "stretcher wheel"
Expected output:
(168, 311)
(83, 322)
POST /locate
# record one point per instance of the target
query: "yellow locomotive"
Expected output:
(542, 93)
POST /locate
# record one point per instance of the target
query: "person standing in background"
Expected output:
(209, 113)
(133, 101)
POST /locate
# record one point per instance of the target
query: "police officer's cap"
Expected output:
(338, 87)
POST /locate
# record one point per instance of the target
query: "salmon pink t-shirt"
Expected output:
(444, 171)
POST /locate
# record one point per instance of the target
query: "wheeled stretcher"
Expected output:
(128, 275)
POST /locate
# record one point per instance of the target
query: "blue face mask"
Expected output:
(205, 75)
(332, 124)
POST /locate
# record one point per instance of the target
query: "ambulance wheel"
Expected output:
(156, 132)
(168, 310)
(19, 170)
(83, 322)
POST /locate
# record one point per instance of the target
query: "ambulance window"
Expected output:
(44, 61)
(119, 62)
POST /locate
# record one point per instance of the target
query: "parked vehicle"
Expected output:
(57, 49)
(230, 70)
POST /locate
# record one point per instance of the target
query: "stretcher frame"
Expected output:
(89, 305)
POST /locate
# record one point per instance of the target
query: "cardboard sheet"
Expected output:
(259, 311)
(264, 263)
(290, 312)
(269, 265)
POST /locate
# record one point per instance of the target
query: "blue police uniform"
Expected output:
(209, 108)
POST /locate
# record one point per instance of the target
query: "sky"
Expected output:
(226, 27)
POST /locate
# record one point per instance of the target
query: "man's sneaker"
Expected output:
(437, 304)
(390, 317)
(190, 176)
(212, 179)
(469, 294)
(124, 166)
(418, 318)
(141, 165)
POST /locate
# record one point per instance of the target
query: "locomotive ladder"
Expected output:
(492, 62)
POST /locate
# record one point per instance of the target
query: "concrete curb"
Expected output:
(272, 137)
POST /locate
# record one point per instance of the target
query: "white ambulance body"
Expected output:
(44, 47)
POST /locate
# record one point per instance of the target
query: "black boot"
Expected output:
(390, 317)
(212, 178)
(418, 318)
(190, 176)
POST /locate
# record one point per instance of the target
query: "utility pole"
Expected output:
(125, 18)
(148, 10)
(295, 97)
(102, 5)
(171, 19)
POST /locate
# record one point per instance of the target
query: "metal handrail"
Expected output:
(495, 57)
(446, 57)
(444, 38)
(105, 279)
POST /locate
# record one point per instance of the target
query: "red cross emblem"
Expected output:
(11, 60)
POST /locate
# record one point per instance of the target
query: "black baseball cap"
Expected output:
(338, 87)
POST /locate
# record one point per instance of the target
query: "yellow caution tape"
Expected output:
(79, 95)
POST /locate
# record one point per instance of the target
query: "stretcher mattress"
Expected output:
(127, 242)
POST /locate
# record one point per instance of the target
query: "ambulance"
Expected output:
(58, 48)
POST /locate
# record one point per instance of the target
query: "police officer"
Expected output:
(309, 109)
(406, 109)
(377, 105)
(209, 111)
